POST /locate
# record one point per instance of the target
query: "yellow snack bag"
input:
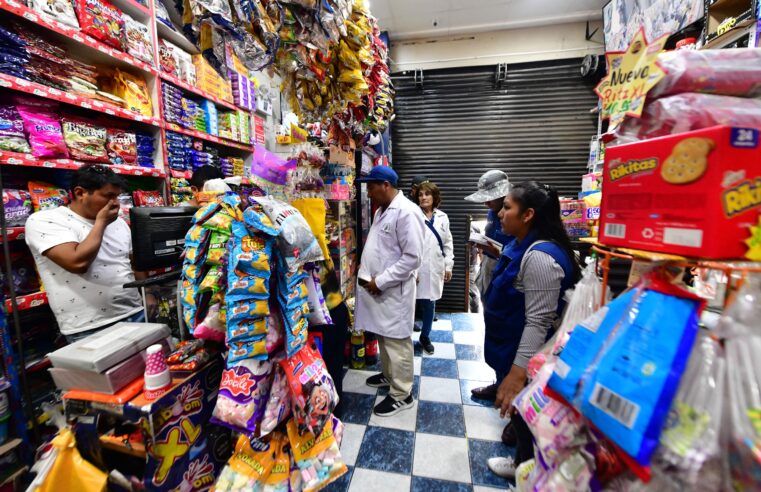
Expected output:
(134, 91)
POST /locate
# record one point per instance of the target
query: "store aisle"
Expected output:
(441, 444)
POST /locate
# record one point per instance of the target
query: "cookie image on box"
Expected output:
(688, 161)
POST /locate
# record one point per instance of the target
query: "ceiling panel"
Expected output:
(411, 19)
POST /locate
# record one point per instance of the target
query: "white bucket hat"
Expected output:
(492, 185)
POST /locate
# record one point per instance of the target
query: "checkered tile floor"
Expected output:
(443, 442)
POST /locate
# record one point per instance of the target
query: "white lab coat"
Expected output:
(435, 263)
(392, 255)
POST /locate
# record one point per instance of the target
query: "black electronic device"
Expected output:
(158, 236)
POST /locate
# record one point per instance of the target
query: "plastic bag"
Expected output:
(46, 196)
(295, 239)
(690, 450)
(317, 457)
(726, 72)
(134, 91)
(313, 393)
(18, 207)
(43, 132)
(313, 210)
(248, 466)
(740, 327)
(137, 39)
(85, 140)
(144, 198)
(318, 311)
(12, 131)
(686, 112)
(101, 20)
(270, 167)
(59, 10)
(70, 471)
(279, 403)
(243, 395)
(632, 364)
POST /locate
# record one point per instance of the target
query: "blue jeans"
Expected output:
(427, 313)
(138, 317)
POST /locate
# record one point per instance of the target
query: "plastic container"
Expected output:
(157, 378)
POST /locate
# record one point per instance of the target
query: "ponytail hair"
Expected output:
(546, 222)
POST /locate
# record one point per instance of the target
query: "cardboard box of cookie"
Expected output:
(696, 194)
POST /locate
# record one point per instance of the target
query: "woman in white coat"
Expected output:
(437, 260)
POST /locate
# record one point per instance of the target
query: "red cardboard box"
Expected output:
(694, 194)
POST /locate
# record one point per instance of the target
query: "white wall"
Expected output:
(490, 48)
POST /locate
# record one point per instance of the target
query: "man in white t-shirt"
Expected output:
(83, 255)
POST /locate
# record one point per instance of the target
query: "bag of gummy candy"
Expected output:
(318, 458)
(313, 392)
(247, 467)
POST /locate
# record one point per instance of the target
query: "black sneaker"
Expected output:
(378, 381)
(417, 327)
(389, 406)
(427, 345)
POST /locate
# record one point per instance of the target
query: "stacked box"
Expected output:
(244, 125)
(207, 79)
(211, 116)
(243, 90)
(228, 125)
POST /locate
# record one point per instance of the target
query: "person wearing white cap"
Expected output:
(387, 280)
(493, 187)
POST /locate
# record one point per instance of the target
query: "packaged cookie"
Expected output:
(59, 10)
(18, 207)
(12, 130)
(101, 20)
(85, 140)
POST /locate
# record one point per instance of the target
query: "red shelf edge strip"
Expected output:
(16, 159)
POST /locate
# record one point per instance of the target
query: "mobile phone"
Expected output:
(363, 282)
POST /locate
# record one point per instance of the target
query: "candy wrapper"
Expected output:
(58, 10)
(318, 458)
(312, 390)
(18, 207)
(12, 131)
(295, 239)
(137, 39)
(85, 140)
(46, 196)
(101, 20)
(725, 72)
(249, 466)
(250, 254)
(279, 403)
(134, 91)
(243, 395)
(121, 146)
(211, 328)
(43, 132)
(318, 311)
(148, 198)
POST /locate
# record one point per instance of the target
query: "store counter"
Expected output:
(182, 451)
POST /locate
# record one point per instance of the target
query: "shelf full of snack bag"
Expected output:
(199, 92)
(55, 26)
(208, 137)
(28, 301)
(16, 159)
(35, 89)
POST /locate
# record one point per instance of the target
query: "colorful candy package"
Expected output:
(248, 467)
(134, 91)
(319, 314)
(85, 140)
(217, 253)
(240, 284)
(121, 146)
(313, 393)
(101, 20)
(211, 328)
(137, 39)
(148, 198)
(247, 349)
(247, 330)
(250, 254)
(242, 310)
(59, 10)
(258, 221)
(12, 131)
(318, 458)
(275, 331)
(45, 196)
(214, 280)
(18, 207)
(125, 204)
(243, 394)
(280, 477)
(43, 132)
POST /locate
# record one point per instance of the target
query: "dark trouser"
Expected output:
(333, 342)
(427, 313)
(524, 449)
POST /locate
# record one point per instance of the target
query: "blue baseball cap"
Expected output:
(380, 174)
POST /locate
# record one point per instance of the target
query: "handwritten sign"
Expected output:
(631, 75)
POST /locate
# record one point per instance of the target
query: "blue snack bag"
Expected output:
(250, 254)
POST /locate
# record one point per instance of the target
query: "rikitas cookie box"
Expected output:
(694, 194)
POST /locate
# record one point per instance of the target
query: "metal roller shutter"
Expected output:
(535, 124)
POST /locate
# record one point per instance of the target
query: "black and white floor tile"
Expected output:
(443, 442)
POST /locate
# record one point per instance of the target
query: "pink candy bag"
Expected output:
(43, 132)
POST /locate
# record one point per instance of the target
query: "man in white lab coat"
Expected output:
(387, 283)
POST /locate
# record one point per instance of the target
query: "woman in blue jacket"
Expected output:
(525, 298)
